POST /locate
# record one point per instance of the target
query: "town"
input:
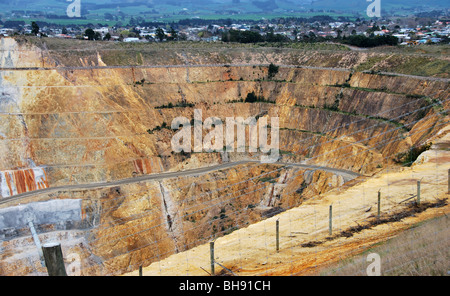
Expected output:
(407, 31)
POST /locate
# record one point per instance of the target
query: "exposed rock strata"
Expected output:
(80, 126)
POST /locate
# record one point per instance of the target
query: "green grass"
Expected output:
(423, 66)
(428, 64)
(369, 63)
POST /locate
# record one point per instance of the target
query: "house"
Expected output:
(402, 37)
(6, 31)
(102, 30)
(131, 39)
(436, 40)
(379, 33)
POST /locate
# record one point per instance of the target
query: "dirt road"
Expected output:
(347, 175)
(305, 242)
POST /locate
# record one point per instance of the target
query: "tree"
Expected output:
(107, 36)
(251, 98)
(90, 34)
(97, 36)
(242, 36)
(273, 70)
(160, 34)
(34, 28)
(362, 41)
(173, 34)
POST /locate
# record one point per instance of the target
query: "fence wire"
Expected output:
(307, 241)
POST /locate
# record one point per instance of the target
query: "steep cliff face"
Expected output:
(63, 126)
(118, 229)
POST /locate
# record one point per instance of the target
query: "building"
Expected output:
(131, 39)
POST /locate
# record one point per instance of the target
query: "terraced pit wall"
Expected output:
(102, 124)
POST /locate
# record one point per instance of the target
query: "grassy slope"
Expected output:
(424, 60)
(422, 250)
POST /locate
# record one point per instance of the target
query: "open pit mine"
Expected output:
(86, 158)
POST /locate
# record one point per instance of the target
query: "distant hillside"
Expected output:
(358, 5)
(173, 10)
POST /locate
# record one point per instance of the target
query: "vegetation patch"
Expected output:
(411, 210)
(158, 128)
(409, 157)
(272, 212)
(253, 98)
(363, 41)
(273, 70)
(177, 105)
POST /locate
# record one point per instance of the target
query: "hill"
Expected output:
(169, 10)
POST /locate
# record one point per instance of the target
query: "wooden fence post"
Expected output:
(54, 259)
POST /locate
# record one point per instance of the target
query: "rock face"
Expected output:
(63, 126)
(21, 181)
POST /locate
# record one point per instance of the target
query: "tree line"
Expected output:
(371, 41)
(252, 37)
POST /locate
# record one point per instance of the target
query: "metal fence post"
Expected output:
(211, 251)
(379, 204)
(37, 242)
(330, 230)
(278, 234)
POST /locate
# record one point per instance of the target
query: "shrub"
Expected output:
(273, 70)
(179, 104)
(251, 98)
(407, 158)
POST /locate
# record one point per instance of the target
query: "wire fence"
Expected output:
(272, 222)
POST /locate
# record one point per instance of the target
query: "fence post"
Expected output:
(379, 204)
(278, 234)
(211, 251)
(448, 184)
(54, 259)
(418, 192)
(37, 242)
(330, 230)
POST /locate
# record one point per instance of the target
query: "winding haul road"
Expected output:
(347, 175)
